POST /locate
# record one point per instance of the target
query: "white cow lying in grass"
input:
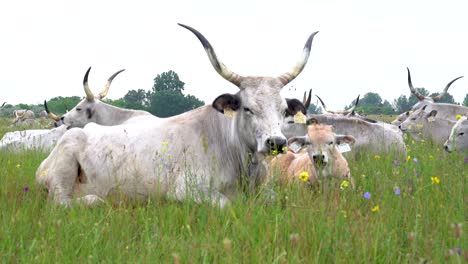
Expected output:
(91, 109)
(428, 126)
(322, 158)
(204, 154)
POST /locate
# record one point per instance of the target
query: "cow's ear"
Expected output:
(407, 113)
(304, 140)
(312, 121)
(231, 101)
(433, 113)
(294, 106)
(348, 139)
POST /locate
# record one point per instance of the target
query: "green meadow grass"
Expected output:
(300, 226)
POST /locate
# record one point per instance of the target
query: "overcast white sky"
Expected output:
(46, 46)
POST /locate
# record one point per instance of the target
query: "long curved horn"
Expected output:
(89, 94)
(351, 112)
(3, 104)
(413, 91)
(439, 97)
(227, 74)
(50, 114)
(106, 87)
(291, 75)
(306, 102)
(324, 106)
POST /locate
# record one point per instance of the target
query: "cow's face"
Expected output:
(82, 114)
(260, 109)
(416, 122)
(321, 144)
(401, 118)
(260, 112)
(89, 108)
(458, 139)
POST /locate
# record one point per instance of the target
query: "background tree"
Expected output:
(167, 98)
(465, 102)
(60, 105)
(447, 98)
(371, 103)
(136, 99)
(314, 109)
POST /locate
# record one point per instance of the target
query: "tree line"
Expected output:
(166, 98)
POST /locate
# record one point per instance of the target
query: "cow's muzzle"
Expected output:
(319, 160)
(277, 144)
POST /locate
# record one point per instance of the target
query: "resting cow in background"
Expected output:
(423, 124)
(447, 111)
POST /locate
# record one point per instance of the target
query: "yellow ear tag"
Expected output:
(300, 118)
(229, 112)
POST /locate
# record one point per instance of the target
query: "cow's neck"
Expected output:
(109, 115)
(223, 134)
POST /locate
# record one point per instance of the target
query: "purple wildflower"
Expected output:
(26, 189)
(367, 195)
(415, 160)
(397, 191)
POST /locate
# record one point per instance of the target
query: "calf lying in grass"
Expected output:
(321, 158)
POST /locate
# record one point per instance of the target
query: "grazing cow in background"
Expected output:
(92, 109)
(24, 118)
(458, 139)
(321, 159)
(423, 124)
(203, 154)
(43, 114)
(447, 111)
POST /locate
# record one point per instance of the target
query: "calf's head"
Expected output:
(321, 143)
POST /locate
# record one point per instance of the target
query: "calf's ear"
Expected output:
(340, 139)
(295, 106)
(224, 101)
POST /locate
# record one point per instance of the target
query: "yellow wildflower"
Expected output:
(274, 152)
(435, 180)
(431, 157)
(459, 117)
(375, 208)
(284, 149)
(165, 143)
(345, 215)
(304, 176)
(377, 157)
(344, 184)
(18, 165)
(408, 158)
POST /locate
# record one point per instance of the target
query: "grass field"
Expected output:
(413, 215)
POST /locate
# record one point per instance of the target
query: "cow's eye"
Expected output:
(330, 143)
(246, 109)
(78, 109)
(290, 122)
(414, 118)
(461, 134)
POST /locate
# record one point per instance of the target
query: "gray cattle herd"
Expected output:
(205, 154)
